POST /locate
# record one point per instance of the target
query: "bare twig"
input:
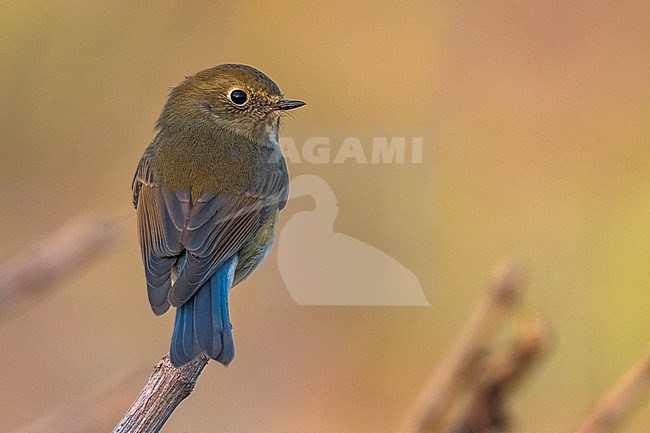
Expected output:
(438, 394)
(609, 411)
(93, 413)
(485, 409)
(164, 391)
(60, 254)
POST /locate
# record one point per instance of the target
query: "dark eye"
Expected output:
(239, 97)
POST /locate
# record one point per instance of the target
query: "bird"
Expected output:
(207, 191)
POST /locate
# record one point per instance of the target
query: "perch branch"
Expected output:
(166, 388)
(438, 394)
(609, 411)
(485, 409)
(72, 246)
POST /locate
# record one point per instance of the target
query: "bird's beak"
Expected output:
(288, 104)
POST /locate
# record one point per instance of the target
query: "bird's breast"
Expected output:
(218, 161)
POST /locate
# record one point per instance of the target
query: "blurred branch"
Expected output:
(61, 254)
(609, 411)
(164, 391)
(485, 410)
(438, 394)
(93, 413)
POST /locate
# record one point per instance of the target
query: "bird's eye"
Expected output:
(239, 97)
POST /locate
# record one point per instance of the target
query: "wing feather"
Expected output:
(216, 240)
(204, 232)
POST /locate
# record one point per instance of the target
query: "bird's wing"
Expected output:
(211, 230)
(161, 219)
(217, 228)
(143, 175)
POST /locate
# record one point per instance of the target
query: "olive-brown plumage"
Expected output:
(208, 190)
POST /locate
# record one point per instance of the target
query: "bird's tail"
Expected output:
(202, 325)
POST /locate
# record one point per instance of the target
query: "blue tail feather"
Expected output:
(220, 288)
(176, 353)
(202, 325)
(203, 317)
(188, 343)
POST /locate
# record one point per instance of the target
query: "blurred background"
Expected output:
(540, 151)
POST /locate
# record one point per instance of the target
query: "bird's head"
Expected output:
(238, 98)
